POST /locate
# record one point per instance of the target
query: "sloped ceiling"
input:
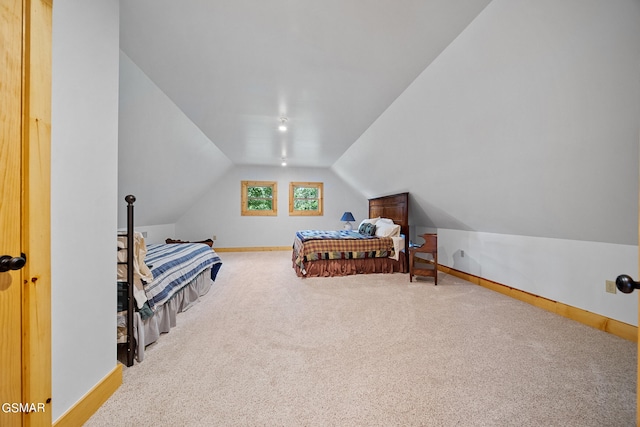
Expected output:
(331, 67)
(515, 117)
(527, 124)
(163, 158)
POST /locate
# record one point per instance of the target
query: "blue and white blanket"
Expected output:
(306, 235)
(175, 265)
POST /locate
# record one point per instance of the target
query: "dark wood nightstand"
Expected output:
(419, 266)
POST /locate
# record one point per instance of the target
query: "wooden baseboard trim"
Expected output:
(254, 249)
(615, 327)
(79, 413)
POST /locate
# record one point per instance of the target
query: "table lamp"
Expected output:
(347, 216)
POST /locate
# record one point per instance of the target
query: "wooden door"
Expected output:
(10, 190)
(25, 117)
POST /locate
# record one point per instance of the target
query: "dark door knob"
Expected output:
(8, 262)
(626, 284)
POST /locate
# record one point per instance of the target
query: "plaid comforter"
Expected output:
(313, 245)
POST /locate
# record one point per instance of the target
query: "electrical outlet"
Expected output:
(461, 254)
(215, 237)
(611, 286)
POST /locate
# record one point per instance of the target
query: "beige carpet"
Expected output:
(266, 348)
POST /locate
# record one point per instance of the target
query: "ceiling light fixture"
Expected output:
(283, 124)
(284, 161)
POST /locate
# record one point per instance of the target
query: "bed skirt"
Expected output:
(164, 317)
(346, 267)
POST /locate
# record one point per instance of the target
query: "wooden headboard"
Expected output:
(395, 207)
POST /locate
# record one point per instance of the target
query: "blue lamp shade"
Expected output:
(347, 216)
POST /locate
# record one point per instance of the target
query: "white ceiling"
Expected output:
(331, 67)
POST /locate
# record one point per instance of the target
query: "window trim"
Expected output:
(245, 198)
(317, 185)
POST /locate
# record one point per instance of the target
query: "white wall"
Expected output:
(218, 211)
(84, 142)
(526, 124)
(156, 233)
(570, 271)
(163, 158)
(519, 143)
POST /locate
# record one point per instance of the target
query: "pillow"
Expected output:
(384, 229)
(369, 220)
(386, 221)
(367, 229)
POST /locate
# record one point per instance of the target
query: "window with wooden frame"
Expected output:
(259, 198)
(305, 198)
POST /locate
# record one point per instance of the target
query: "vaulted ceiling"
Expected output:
(510, 117)
(330, 67)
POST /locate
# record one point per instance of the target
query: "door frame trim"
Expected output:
(36, 208)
